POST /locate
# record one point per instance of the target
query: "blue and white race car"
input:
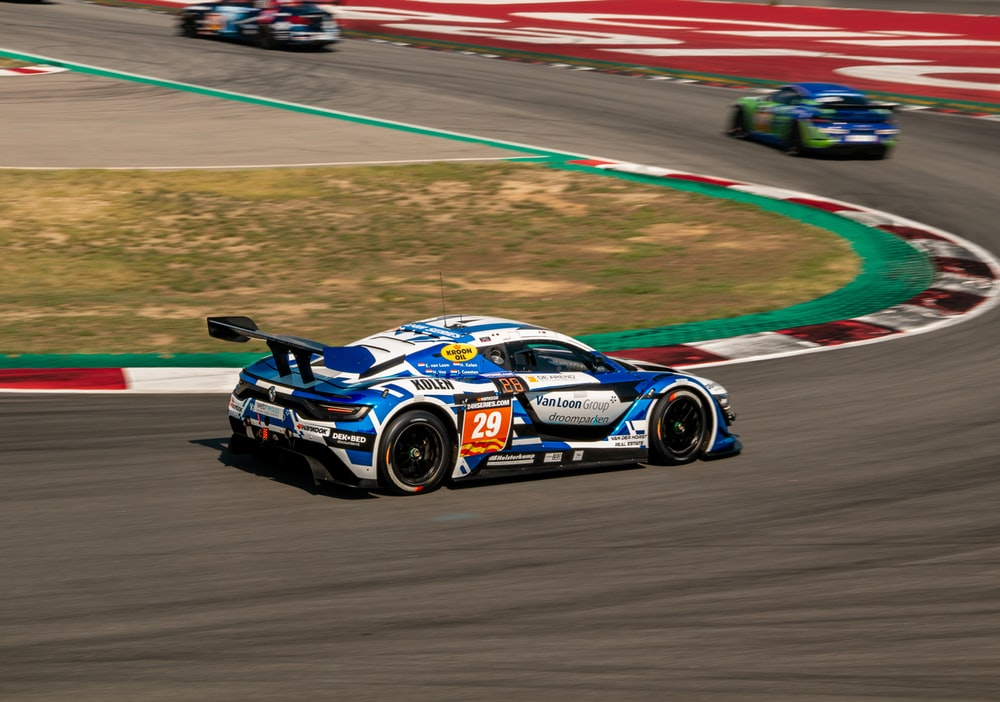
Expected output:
(267, 23)
(455, 397)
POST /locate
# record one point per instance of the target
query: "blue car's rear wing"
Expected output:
(354, 359)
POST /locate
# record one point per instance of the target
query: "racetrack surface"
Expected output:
(850, 553)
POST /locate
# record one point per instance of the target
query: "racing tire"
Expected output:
(189, 27)
(679, 428)
(793, 140)
(415, 454)
(265, 38)
(737, 125)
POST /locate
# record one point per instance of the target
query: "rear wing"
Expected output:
(354, 359)
(891, 106)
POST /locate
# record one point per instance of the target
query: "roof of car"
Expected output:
(474, 330)
(817, 89)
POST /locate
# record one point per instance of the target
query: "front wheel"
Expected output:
(415, 454)
(189, 27)
(737, 125)
(679, 428)
(793, 140)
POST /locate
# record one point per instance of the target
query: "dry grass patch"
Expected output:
(113, 261)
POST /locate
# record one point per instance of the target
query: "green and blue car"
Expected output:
(815, 118)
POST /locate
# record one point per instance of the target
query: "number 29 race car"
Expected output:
(817, 117)
(450, 398)
(267, 23)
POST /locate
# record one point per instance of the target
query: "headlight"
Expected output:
(721, 396)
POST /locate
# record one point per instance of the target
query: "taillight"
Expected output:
(341, 413)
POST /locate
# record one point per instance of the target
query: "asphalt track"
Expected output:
(851, 552)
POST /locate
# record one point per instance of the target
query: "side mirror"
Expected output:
(599, 363)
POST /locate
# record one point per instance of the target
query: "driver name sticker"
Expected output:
(486, 426)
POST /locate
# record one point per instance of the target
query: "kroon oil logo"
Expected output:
(459, 353)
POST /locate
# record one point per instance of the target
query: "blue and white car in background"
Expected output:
(450, 398)
(268, 24)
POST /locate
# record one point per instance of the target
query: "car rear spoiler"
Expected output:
(891, 106)
(353, 359)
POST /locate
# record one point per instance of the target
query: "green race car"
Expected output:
(817, 118)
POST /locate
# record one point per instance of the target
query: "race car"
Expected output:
(817, 117)
(455, 397)
(269, 25)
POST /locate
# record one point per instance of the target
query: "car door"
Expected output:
(784, 112)
(568, 394)
(763, 113)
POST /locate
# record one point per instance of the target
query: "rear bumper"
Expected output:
(322, 462)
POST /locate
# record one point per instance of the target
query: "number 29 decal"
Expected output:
(486, 426)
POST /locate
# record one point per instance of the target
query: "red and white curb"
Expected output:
(966, 283)
(134, 380)
(30, 70)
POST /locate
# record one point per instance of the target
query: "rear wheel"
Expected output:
(679, 428)
(737, 125)
(793, 140)
(265, 37)
(415, 454)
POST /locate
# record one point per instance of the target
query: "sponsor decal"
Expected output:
(313, 429)
(578, 455)
(562, 402)
(511, 459)
(628, 441)
(561, 378)
(459, 353)
(486, 426)
(556, 418)
(351, 440)
(432, 330)
(580, 408)
(432, 384)
(554, 457)
(268, 410)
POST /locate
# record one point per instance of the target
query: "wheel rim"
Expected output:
(682, 427)
(417, 454)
